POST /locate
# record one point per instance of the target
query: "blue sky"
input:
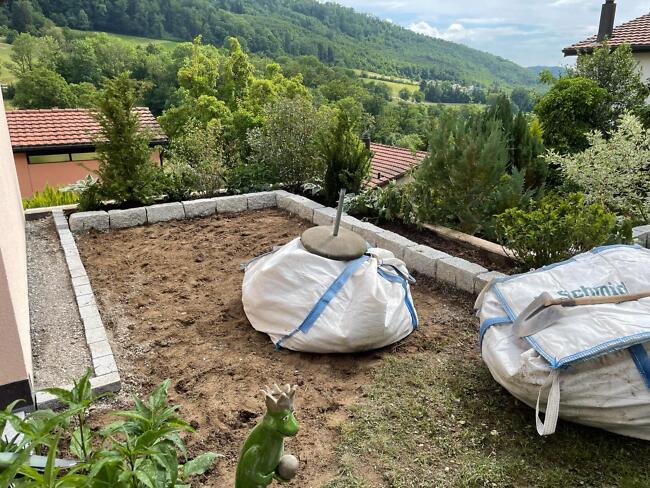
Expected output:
(529, 32)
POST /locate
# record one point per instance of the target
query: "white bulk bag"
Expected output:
(590, 365)
(305, 302)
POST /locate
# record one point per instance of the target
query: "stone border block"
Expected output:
(100, 349)
(96, 334)
(106, 376)
(483, 279)
(459, 273)
(423, 259)
(85, 221)
(107, 383)
(641, 235)
(232, 204)
(105, 365)
(203, 207)
(164, 212)
(370, 232)
(131, 217)
(301, 206)
(260, 200)
(324, 216)
(393, 242)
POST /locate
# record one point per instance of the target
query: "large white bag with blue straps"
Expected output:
(305, 302)
(590, 365)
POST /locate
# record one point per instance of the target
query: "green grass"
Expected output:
(135, 40)
(6, 75)
(395, 85)
(438, 419)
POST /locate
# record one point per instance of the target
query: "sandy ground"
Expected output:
(170, 295)
(59, 347)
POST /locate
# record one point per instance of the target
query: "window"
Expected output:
(48, 158)
(61, 158)
(86, 156)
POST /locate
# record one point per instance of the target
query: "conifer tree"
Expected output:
(126, 173)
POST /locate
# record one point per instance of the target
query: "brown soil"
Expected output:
(170, 295)
(428, 238)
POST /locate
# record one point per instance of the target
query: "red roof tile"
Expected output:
(64, 127)
(635, 32)
(391, 163)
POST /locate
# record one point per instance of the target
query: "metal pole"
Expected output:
(339, 212)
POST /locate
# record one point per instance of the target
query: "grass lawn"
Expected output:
(440, 419)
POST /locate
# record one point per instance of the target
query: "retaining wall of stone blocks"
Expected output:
(457, 272)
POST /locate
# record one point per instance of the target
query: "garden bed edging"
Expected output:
(457, 272)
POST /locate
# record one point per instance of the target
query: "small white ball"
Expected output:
(288, 467)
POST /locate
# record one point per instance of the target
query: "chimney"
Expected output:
(365, 137)
(607, 16)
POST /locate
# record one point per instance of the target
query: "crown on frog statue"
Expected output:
(279, 398)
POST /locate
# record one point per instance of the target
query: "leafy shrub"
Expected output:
(126, 173)
(572, 108)
(464, 181)
(613, 171)
(286, 146)
(139, 451)
(556, 228)
(194, 162)
(346, 158)
(50, 197)
(391, 202)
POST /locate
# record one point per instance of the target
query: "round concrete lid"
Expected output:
(344, 247)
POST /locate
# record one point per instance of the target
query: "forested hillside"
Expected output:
(335, 34)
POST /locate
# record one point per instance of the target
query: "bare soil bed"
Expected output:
(428, 238)
(170, 295)
(59, 347)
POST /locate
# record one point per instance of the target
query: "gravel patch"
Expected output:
(59, 347)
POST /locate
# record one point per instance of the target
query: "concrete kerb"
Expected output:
(106, 375)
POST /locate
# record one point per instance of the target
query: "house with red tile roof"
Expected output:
(636, 33)
(55, 146)
(391, 163)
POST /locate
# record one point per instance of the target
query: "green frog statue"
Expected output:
(262, 458)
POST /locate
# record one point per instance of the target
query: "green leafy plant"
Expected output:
(50, 197)
(194, 162)
(464, 181)
(391, 202)
(347, 159)
(613, 171)
(556, 228)
(572, 108)
(141, 450)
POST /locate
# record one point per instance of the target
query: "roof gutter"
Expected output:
(572, 51)
(43, 149)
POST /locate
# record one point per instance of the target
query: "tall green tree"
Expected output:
(571, 109)
(126, 173)
(615, 70)
(464, 180)
(43, 88)
(347, 160)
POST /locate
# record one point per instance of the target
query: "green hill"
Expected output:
(336, 34)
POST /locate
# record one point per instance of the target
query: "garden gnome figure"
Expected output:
(262, 458)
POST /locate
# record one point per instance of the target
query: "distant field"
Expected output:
(395, 85)
(6, 75)
(135, 40)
